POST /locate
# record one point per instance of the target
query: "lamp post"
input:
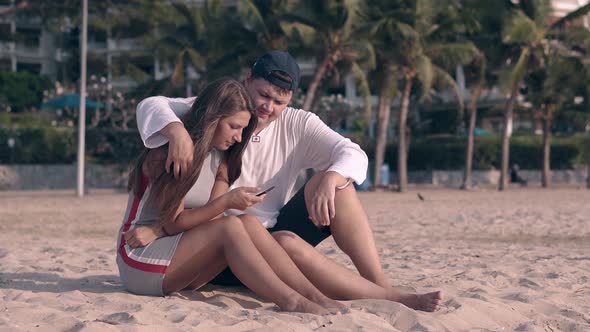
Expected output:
(82, 117)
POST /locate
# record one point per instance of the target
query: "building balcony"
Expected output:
(6, 48)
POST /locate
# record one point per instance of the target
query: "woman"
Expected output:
(188, 247)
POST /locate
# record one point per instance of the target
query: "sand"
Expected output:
(512, 261)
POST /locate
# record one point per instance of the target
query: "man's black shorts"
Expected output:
(292, 217)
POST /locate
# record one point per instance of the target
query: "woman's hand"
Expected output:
(143, 235)
(241, 198)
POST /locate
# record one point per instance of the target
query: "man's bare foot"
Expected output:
(301, 304)
(425, 302)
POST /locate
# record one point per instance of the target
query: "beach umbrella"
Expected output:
(477, 132)
(71, 100)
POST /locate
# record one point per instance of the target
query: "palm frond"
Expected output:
(298, 32)
(425, 73)
(578, 13)
(179, 69)
(364, 90)
(452, 54)
(446, 80)
(513, 75)
(196, 59)
(519, 29)
(253, 16)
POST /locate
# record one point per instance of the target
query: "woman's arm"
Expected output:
(221, 184)
(189, 218)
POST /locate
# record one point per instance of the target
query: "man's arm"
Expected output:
(341, 160)
(328, 151)
(158, 121)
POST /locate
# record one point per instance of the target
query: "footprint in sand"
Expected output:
(452, 303)
(528, 283)
(118, 318)
(517, 296)
(176, 317)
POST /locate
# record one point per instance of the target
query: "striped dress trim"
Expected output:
(128, 258)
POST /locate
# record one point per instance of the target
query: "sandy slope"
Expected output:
(512, 261)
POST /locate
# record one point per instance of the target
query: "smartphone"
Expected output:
(265, 191)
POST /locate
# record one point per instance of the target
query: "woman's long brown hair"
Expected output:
(219, 99)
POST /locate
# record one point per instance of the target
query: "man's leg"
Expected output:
(352, 232)
(350, 228)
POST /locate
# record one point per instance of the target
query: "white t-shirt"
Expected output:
(199, 194)
(295, 141)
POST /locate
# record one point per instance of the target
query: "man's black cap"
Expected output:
(277, 61)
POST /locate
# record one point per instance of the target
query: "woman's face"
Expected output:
(229, 130)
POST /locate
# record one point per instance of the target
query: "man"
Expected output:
(286, 141)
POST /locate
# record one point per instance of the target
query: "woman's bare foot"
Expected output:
(333, 306)
(301, 304)
(425, 302)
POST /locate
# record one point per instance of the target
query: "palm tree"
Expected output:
(205, 39)
(570, 63)
(530, 29)
(486, 19)
(412, 39)
(264, 22)
(551, 86)
(329, 30)
(480, 62)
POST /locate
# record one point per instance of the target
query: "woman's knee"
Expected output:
(229, 225)
(290, 241)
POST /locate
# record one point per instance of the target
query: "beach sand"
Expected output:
(506, 261)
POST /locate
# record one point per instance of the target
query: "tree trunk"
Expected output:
(472, 109)
(384, 110)
(508, 115)
(317, 78)
(402, 165)
(588, 165)
(546, 178)
(467, 184)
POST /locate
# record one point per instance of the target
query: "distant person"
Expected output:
(285, 142)
(515, 176)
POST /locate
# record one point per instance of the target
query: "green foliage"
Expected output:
(59, 146)
(24, 119)
(21, 90)
(38, 146)
(445, 152)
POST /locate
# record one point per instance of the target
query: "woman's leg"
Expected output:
(340, 283)
(283, 265)
(204, 251)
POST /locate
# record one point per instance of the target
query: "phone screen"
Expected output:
(265, 191)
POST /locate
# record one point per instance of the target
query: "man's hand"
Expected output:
(143, 235)
(180, 148)
(321, 207)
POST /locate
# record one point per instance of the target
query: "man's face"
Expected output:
(268, 100)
